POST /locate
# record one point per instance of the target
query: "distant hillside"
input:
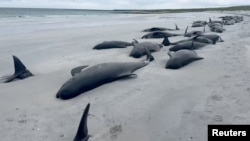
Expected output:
(232, 8)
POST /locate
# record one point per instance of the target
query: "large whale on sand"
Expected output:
(213, 37)
(21, 72)
(190, 45)
(112, 44)
(139, 48)
(198, 38)
(181, 58)
(153, 29)
(98, 75)
(159, 34)
(193, 33)
(82, 132)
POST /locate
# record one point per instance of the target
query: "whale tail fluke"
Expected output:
(21, 71)
(82, 132)
(166, 41)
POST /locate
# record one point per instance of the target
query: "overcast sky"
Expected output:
(121, 4)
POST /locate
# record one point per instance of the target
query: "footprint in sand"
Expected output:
(114, 131)
(238, 118)
(218, 118)
(216, 97)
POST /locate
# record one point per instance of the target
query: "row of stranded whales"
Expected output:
(153, 29)
(178, 59)
(95, 76)
(230, 20)
(92, 77)
(216, 26)
(203, 38)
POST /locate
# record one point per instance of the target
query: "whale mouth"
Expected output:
(58, 94)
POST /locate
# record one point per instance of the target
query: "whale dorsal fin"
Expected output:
(19, 66)
(176, 27)
(82, 132)
(186, 30)
(20, 70)
(77, 70)
(134, 42)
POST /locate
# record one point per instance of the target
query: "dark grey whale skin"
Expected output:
(21, 72)
(98, 75)
(82, 132)
(190, 45)
(95, 76)
(139, 48)
(112, 44)
(181, 58)
(159, 34)
(153, 29)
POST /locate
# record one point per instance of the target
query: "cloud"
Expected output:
(121, 4)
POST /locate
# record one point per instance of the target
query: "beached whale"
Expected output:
(153, 29)
(159, 34)
(190, 45)
(139, 48)
(21, 71)
(193, 33)
(181, 58)
(216, 26)
(112, 44)
(98, 75)
(197, 38)
(199, 23)
(213, 37)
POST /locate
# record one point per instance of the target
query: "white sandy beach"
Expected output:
(158, 105)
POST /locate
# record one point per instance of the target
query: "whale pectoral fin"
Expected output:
(198, 58)
(150, 57)
(221, 39)
(77, 70)
(170, 54)
(126, 75)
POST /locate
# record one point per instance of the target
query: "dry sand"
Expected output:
(158, 105)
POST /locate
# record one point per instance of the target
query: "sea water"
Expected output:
(20, 20)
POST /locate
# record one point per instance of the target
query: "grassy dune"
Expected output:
(157, 11)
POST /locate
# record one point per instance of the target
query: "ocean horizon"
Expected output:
(47, 12)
